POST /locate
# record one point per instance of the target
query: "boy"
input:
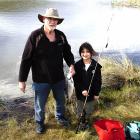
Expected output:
(85, 68)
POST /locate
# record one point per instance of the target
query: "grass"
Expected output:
(121, 104)
(117, 74)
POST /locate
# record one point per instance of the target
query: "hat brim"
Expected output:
(41, 17)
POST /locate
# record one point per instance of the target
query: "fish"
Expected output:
(69, 87)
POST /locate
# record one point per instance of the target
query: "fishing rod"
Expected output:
(83, 113)
(108, 29)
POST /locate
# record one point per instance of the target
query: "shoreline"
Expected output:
(19, 108)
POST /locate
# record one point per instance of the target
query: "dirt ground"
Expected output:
(17, 108)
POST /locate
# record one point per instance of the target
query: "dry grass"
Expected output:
(117, 74)
(123, 105)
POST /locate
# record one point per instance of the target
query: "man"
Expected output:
(44, 52)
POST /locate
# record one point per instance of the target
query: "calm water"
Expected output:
(17, 20)
(84, 21)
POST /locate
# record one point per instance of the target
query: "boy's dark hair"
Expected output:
(87, 46)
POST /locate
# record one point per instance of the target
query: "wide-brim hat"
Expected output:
(52, 13)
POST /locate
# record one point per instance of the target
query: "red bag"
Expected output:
(109, 130)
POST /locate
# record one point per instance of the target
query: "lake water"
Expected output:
(84, 21)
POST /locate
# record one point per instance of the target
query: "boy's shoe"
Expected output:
(84, 126)
(87, 125)
(40, 128)
(63, 121)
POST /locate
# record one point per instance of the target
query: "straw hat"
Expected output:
(52, 13)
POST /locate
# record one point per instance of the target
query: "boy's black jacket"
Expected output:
(82, 80)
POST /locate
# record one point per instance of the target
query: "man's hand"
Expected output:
(22, 86)
(85, 93)
(71, 70)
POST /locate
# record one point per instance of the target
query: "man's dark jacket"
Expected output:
(45, 58)
(82, 80)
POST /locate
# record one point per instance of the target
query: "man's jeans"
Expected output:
(42, 91)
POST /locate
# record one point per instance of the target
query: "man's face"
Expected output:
(50, 23)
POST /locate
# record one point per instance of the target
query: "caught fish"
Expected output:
(69, 87)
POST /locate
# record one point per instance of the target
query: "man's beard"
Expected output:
(51, 28)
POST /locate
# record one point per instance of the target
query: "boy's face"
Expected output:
(85, 54)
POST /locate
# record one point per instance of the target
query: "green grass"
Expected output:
(121, 104)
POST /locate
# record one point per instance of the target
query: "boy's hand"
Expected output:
(85, 93)
(96, 97)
